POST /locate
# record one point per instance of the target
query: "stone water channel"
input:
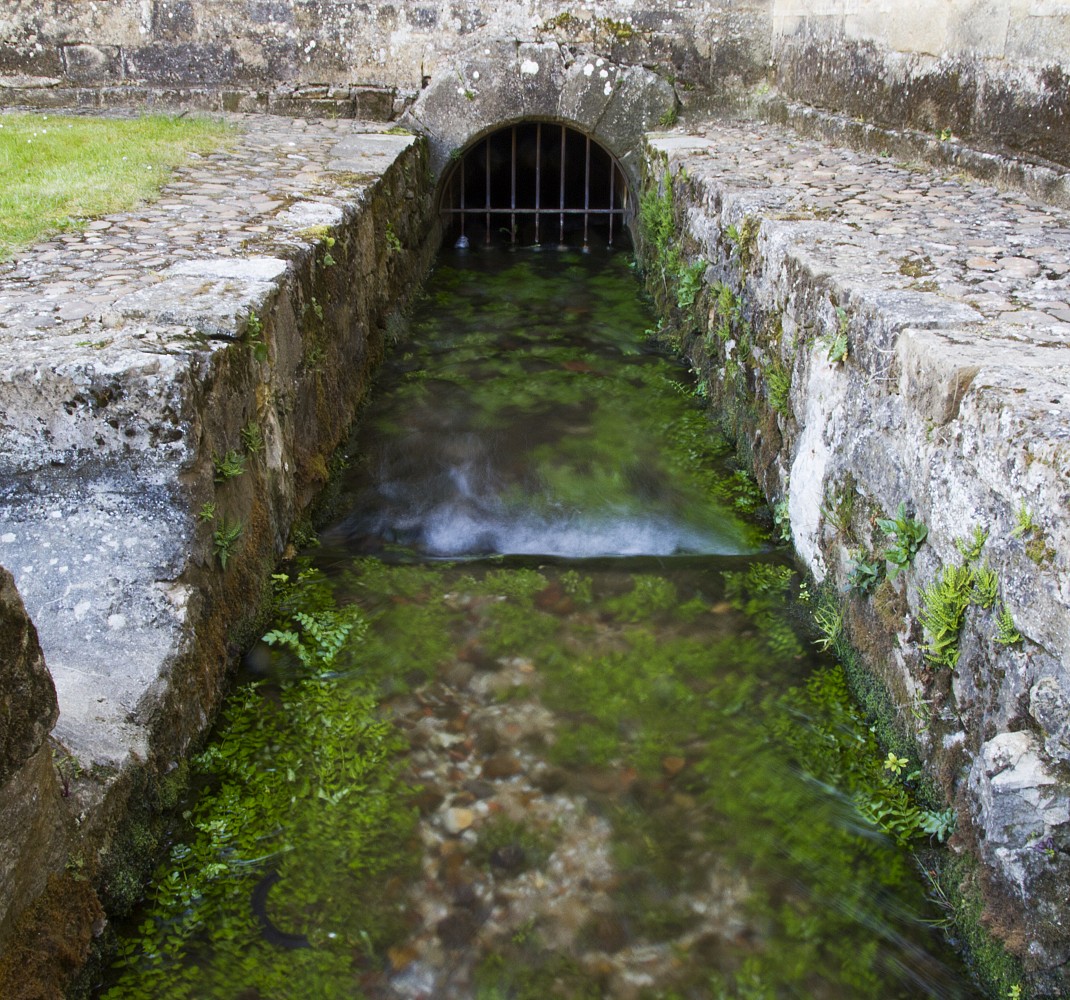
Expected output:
(540, 715)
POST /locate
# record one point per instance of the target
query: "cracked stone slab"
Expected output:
(210, 296)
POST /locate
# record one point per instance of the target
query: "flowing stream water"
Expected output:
(540, 716)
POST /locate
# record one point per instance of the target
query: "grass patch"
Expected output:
(57, 172)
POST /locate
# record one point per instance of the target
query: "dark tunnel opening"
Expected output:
(534, 183)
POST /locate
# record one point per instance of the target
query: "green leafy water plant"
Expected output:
(761, 593)
(302, 794)
(310, 626)
(907, 536)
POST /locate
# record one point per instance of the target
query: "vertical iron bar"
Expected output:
(538, 177)
(487, 206)
(463, 205)
(512, 204)
(612, 195)
(562, 191)
(587, 191)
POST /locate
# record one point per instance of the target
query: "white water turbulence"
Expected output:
(531, 416)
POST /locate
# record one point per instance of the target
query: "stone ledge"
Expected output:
(131, 366)
(953, 397)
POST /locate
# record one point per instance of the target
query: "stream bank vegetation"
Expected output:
(688, 713)
(739, 358)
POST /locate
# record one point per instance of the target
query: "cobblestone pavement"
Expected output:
(1004, 254)
(232, 203)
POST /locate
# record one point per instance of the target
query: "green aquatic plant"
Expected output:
(310, 626)
(649, 596)
(761, 593)
(301, 797)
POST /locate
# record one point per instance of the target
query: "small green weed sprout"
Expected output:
(985, 587)
(939, 823)
(254, 336)
(864, 576)
(829, 619)
(729, 312)
(742, 239)
(327, 260)
(778, 381)
(837, 341)
(224, 539)
(782, 519)
(895, 764)
(1007, 633)
(971, 547)
(1024, 524)
(393, 242)
(944, 605)
(252, 438)
(689, 283)
(229, 466)
(838, 508)
(207, 512)
(908, 534)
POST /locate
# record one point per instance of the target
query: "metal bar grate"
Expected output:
(510, 180)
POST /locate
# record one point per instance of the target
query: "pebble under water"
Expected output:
(539, 717)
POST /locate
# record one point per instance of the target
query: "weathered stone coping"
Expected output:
(954, 399)
(252, 294)
(1040, 179)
